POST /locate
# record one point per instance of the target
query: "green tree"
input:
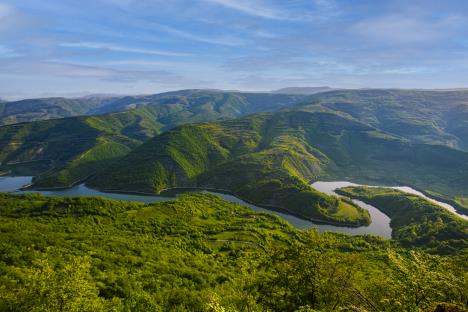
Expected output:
(311, 274)
(45, 287)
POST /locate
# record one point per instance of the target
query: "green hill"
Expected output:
(200, 253)
(433, 117)
(370, 136)
(64, 151)
(262, 158)
(47, 108)
(270, 159)
(415, 221)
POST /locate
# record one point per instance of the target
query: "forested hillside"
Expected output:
(433, 117)
(406, 137)
(65, 151)
(47, 108)
(182, 106)
(199, 253)
(415, 221)
(269, 159)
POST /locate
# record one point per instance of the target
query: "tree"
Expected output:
(45, 287)
(311, 274)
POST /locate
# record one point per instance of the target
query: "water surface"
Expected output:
(379, 226)
(330, 187)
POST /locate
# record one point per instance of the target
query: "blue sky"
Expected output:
(65, 47)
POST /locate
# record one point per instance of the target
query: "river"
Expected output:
(330, 187)
(380, 222)
(379, 226)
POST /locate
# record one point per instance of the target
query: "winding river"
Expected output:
(330, 187)
(380, 222)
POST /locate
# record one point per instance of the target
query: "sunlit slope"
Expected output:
(65, 151)
(270, 159)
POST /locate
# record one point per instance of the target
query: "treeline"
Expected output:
(200, 253)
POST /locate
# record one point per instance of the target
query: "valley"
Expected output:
(308, 138)
(268, 218)
(233, 156)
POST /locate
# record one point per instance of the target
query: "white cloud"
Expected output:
(407, 29)
(69, 70)
(253, 7)
(5, 10)
(223, 40)
(117, 48)
(12, 21)
(7, 52)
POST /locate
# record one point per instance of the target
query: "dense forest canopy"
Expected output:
(200, 253)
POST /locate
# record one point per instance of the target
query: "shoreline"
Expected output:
(31, 187)
(227, 192)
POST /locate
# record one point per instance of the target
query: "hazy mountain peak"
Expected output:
(303, 90)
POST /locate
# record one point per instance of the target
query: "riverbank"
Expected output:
(177, 190)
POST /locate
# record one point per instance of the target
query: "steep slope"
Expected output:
(262, 158)
(62, 151)
(434, 117)
(270, 158)
(68, 150)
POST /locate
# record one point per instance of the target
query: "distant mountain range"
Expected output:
(303, 90)
(48, 108)
(28, 110)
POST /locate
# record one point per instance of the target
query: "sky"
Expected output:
(73, 48)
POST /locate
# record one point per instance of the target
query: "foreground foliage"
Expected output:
(200, 253)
